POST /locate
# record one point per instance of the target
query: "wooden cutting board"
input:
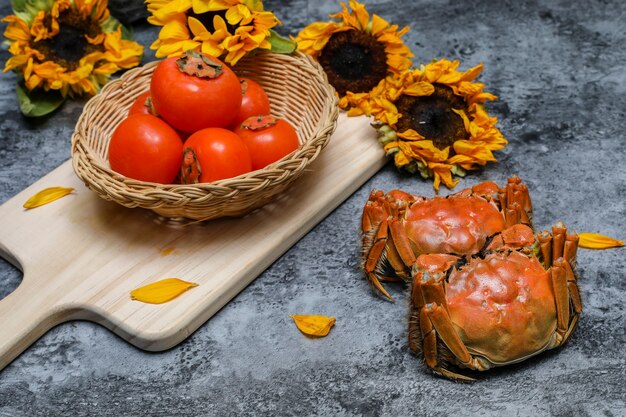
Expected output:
(81, 255)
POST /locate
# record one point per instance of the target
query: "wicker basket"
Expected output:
(298, 91)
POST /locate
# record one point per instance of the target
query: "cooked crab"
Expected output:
(397, 227)
(513, 299)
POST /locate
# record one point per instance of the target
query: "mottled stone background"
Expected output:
(559, 68)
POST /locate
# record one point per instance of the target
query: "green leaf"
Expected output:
(38, 103)
(127, 33)
(280, 44)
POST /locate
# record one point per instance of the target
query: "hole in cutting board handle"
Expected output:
(11, 276)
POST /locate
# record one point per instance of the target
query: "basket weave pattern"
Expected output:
(298, 91)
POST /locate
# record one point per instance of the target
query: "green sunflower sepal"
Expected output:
(417, 166)
(38, 102)
(458, 171)
(28, 9)
(386, 134)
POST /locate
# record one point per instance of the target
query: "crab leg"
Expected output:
(545, 245)
(574, 295)
(515, 202)
(429, 319)
(570, 248)
(510, 189)
(558, 240)
(525, 203)
(420, 327)
(440, 320)
(569, 253)
(512, 215)
(502, 197)
(561, 297)
(373, 256)
(429, 339)
(373, 213)
(401, 242)
(396, 262)
(573, 289)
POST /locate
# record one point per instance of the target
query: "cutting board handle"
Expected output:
(25, 316)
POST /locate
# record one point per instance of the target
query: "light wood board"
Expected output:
(81, 255)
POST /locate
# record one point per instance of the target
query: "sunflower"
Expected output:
(227, 29)
(432, 120)
(356, 52)
(67, 47)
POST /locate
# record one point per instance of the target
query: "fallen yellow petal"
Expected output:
(46, 196)
(597, 241)
(161, 291)
(317, 326)
(167, 251)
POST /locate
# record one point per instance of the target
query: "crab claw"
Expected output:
(517, 236)
(436, 262)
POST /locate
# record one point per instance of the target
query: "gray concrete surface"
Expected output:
(559, 69)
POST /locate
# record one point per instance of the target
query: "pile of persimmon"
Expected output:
(198, 122)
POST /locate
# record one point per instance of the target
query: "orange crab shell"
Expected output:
(456, 224)
(502, 306)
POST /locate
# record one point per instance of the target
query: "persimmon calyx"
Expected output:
(199, 65)
(244, 87)
(259, 122)
(190, 169)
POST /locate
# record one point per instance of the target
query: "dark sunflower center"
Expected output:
(353, 61)
(432, 116)
(70, 44)
(207, 20)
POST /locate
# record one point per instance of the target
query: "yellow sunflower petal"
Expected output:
(597, 241)
(442, 173)
(398, 62)
(174, 30)
(196, 27)
(466, 121)
(203, 6)
(46, 196)
(472, 73)
(264, 21)
(317, 326)
(424, 150)
(106, 69)
(16, 62)
(171, 10)
(17, 29)
(466, 162)
(100, 12)
(378, 24)
(33, 81)
(420, 88)
(40, 29)
(410, 134)
(360, 13)
(161, 291)
(236, 14)
(449, 78)
(477, 150)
